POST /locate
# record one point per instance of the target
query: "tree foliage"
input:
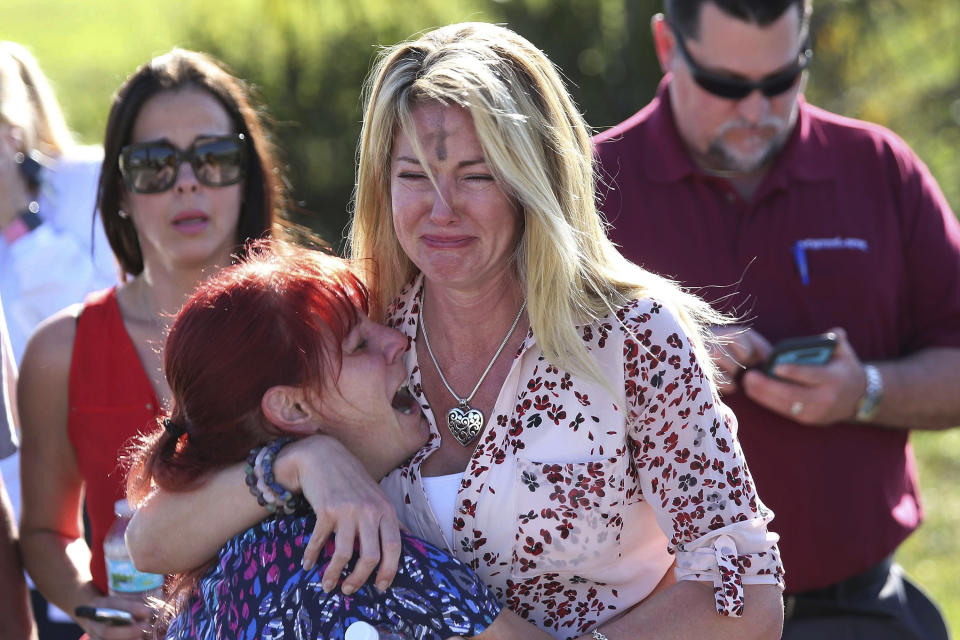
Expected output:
(309, 60)
(891, 61)
(897, 63)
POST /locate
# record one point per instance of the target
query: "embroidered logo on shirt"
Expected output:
(801, 247)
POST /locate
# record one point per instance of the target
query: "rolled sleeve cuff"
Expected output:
(738, 554)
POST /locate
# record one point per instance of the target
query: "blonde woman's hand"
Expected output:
(348, 504)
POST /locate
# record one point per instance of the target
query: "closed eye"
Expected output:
(354, 341)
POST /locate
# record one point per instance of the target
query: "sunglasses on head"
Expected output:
(734, 88)
(152, 167)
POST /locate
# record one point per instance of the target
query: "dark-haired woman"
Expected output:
(188, 176)
(280, 346)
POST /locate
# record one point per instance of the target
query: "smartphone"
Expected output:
(106, 615)
(806, 350)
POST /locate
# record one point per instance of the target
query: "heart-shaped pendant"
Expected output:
(465, 423)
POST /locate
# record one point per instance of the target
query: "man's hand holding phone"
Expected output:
(739, 348)
(811, 393)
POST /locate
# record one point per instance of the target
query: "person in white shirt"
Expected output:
(53, 250)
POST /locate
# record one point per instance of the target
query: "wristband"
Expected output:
(867, 408)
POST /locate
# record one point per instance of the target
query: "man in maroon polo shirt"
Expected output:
(799, 221)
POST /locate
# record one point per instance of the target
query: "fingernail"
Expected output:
(307, 565)
(382, 586)
(347, 589)
(327, 586)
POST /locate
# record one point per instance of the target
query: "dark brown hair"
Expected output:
(684, 15)
(263, 196)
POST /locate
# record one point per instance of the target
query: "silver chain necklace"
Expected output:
(463, 421)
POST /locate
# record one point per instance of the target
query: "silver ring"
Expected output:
(796, 408)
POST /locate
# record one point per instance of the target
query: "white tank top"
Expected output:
(442, 495)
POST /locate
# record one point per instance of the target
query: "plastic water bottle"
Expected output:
(361, 630)
(122, 577)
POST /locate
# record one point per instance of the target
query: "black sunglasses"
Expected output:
(152, 167)
(733, 88)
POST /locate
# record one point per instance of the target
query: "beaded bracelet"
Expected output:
(259, 471)
(267, 492)
(287, 499)
(251, 479)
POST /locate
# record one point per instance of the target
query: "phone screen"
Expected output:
(806, 350)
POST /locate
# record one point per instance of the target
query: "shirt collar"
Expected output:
(404, 315)
(404, 312)
(665, 157)
(805, 156)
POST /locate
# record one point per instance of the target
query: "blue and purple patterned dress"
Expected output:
(258, 589)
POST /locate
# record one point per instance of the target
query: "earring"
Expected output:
(123, 214)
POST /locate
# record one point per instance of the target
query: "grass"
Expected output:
(87, 48)
(931, 555)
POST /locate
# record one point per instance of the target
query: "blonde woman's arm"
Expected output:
(686, 610)
(345, 498)
(692, 472)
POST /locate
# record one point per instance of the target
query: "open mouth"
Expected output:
(191, 221)
(404, 402)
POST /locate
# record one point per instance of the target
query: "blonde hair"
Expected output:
(539, 149)
(27, 101)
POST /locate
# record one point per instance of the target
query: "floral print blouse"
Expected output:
(576, 502)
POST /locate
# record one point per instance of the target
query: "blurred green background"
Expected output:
(896, 62)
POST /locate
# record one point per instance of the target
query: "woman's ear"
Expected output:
(286, 407)
(11, 140)
(124, 204)
(15, 138)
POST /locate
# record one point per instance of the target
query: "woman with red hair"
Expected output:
(279, 347)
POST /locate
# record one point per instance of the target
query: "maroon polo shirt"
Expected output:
(848, 229)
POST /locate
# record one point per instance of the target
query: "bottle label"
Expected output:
(124, 578)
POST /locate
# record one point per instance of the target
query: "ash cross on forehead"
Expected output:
(442, 144)
(442, 136)
(438, 124)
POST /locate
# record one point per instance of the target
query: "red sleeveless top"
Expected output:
(111, 400)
